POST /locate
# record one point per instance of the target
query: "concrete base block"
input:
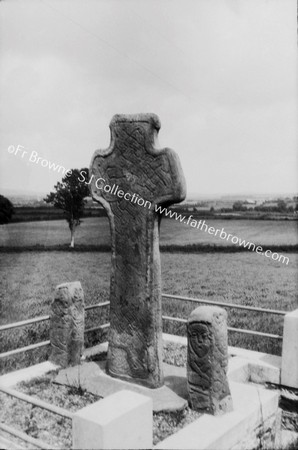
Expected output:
(289, 368)
(238, 370)
(254, 408)
(262, 372)
(120, 421)
(256, 371)
(38, 370)
(288, 439)
(262, 367)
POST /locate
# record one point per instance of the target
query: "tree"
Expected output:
(281, 206)
(70, 196)
(238, 206)
(6, 210)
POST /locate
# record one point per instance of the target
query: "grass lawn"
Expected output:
(29, 279)
(96, 231)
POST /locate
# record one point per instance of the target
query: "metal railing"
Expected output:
(31, 400)
(39, 319)
(45, 343)
(237, 330)
(36, 402)
(22, 323)
(170, 318)
(24, 437)
(24, 349)
(228, 305)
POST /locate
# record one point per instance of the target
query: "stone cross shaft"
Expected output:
(67, 324)
(129, 179)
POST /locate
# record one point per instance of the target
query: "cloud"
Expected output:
(220, 74)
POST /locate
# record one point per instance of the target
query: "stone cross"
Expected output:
(207, 361)
(130, 179)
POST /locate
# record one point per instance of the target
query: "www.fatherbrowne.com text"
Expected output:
(222, 234)
(188, 220)
(136, 199)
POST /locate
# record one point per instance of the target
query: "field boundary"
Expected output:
(168, 248)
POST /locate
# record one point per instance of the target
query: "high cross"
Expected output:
(132, 165)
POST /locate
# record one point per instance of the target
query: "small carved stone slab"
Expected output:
(207, 360)
(134, 166)
(67, 324)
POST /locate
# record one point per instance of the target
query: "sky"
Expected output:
(220, 74)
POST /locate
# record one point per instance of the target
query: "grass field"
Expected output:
(29, 279)
(36, 213)
(95, 231)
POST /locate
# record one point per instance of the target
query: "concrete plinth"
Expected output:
(122, 420)
(289, 362)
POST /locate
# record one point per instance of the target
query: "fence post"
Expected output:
(289, 362)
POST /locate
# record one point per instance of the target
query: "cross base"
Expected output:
(92, 377)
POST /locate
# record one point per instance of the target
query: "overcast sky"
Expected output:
(220, 74)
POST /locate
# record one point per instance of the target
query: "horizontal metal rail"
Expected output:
(24, 349)
(98, 305)
(44, 343)
(36, 402)
(227, 305)
(100, 327)
(237, 330)
(209, 302)
(22, 323)
(175, 297)
(176, 319)
(255, 333)
(24, 437)
(106, 325)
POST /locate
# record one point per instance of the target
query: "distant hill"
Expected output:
(26, 200)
